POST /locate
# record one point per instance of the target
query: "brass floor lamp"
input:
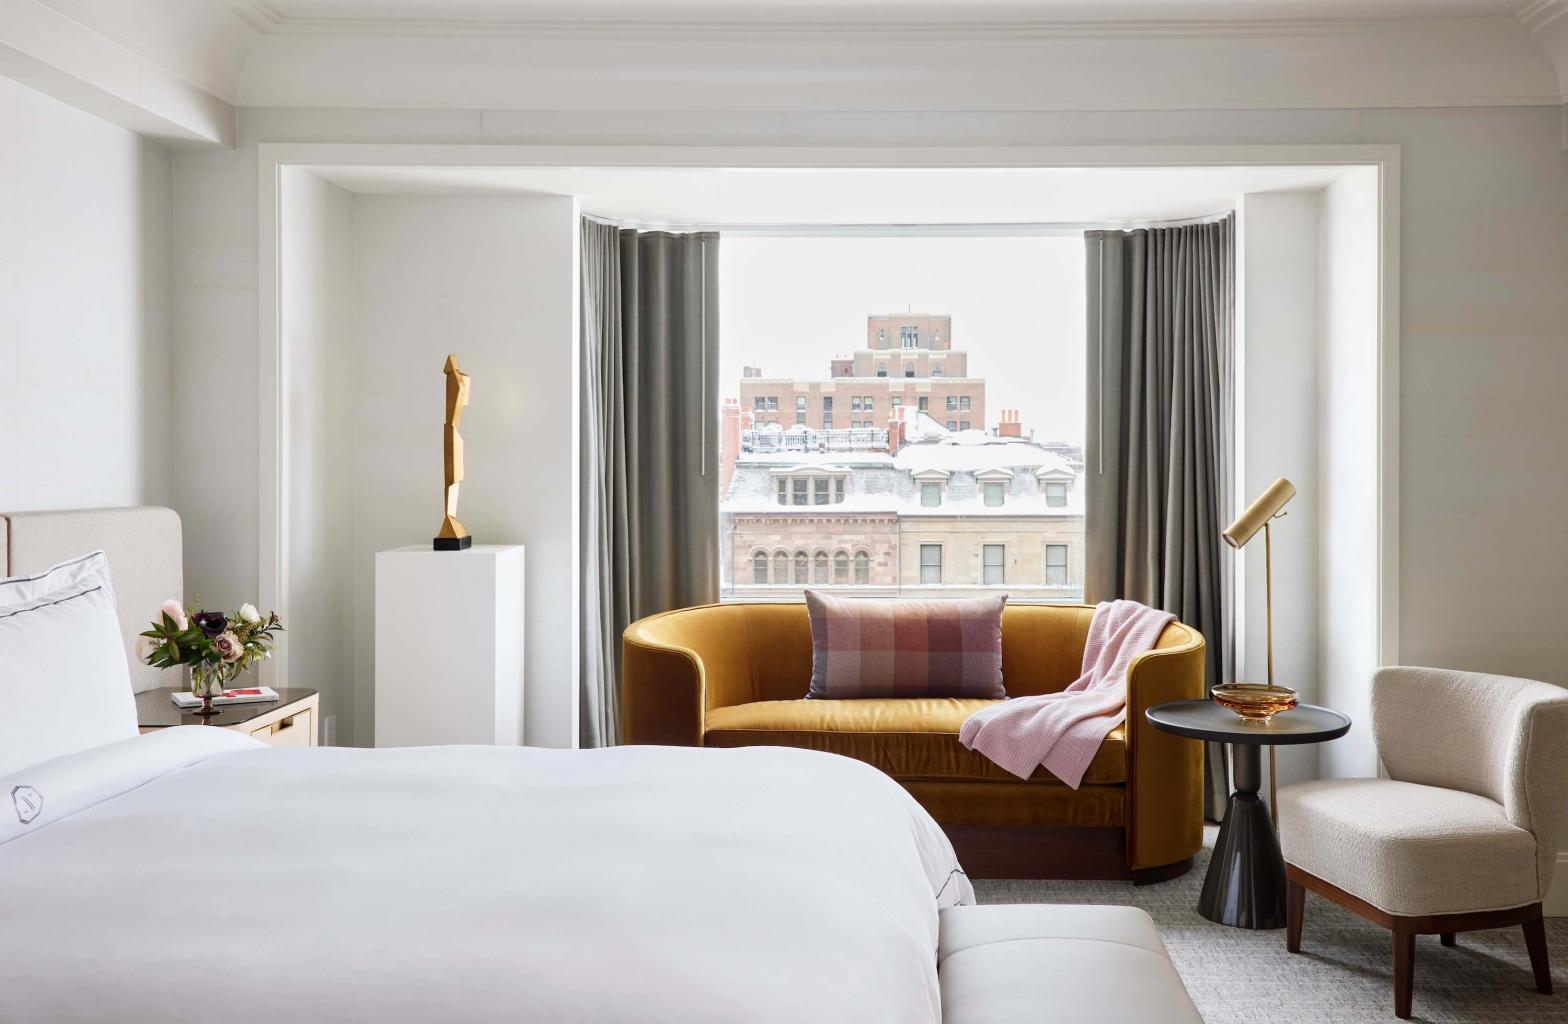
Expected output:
(1251, 700)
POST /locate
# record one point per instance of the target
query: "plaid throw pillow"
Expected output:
(865, 647)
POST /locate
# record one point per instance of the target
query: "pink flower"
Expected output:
(228, 646)
(146, 647)
(176, 611)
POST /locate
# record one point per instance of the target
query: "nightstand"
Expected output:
(289, 721)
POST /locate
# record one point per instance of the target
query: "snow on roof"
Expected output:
(975, 451)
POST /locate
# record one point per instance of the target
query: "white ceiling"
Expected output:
(855, 10)
(858, 196)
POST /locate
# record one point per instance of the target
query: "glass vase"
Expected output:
(209, 681)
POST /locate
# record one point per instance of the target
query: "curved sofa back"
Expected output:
(753, 652)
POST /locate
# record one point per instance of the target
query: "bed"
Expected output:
(194, 874)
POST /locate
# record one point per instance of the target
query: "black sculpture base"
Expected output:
(453, 543)
(1245, 883)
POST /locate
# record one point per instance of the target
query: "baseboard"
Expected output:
(1556, 902)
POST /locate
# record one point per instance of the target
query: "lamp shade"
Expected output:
(1276, 497)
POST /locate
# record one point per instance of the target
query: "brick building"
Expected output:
(909, 363)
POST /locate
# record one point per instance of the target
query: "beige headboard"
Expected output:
(145, 561)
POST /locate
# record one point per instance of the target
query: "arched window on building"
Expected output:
(780, 567)
(862, 567)
(759, 567)
(802, 568)
(841, 567)
(820, 568)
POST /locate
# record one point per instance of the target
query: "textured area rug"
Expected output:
(1344, 972)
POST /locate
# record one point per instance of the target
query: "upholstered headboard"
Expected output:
(145, 561)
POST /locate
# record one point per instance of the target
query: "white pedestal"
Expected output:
(449, 645)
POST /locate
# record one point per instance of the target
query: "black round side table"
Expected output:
(1245, 883)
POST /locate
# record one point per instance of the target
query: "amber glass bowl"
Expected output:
(1256, 702)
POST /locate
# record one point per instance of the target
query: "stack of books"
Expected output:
(250, 695)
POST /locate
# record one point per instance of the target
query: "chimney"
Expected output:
(895, 432)
(1010, 426)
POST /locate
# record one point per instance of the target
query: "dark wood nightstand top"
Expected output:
(155, 709)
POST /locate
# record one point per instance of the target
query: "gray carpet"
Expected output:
(1344, 972)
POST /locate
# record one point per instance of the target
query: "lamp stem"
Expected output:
(1268, 615)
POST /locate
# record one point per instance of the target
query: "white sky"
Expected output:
(789, 305)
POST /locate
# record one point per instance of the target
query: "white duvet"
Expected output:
(193, 875)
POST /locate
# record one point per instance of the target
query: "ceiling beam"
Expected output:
(47, 51)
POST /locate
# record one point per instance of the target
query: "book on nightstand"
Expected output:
(248, 695)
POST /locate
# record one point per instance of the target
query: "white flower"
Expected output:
(248, 613)
(176, 611)
(146, 647)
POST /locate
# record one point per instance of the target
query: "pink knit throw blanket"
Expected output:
(1062, 731)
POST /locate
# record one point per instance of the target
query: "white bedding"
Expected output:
(192, 875)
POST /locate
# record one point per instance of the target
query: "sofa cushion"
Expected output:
(874, 647)
(908, 738)
(1024, 963)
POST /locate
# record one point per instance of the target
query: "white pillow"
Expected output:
(64, 682)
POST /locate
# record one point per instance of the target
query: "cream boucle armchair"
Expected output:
(1463, 833)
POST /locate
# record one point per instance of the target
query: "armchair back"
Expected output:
(1496, 736)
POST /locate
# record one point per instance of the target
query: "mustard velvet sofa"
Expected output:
(733, 675)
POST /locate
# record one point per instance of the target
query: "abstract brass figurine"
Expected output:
(453, 535)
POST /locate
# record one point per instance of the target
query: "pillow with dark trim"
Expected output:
(875, 647)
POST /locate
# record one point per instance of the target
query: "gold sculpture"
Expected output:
(453, 536)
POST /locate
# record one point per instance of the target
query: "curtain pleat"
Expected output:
(1161, 305)
(650, 496)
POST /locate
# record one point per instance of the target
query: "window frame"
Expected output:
(1000, 565)
(925, 565)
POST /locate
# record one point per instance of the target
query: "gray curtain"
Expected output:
(1161, 318)
(649, 443)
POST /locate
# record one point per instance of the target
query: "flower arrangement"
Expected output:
(214, 646)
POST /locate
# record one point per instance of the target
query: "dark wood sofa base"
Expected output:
(1064, 852)
(1405, 930)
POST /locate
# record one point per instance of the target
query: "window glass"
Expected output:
(1056, 565)
(994, 564)
(825, 372)
(930, 563)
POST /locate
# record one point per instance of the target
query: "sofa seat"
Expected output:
(1028, 963)
(911, 739)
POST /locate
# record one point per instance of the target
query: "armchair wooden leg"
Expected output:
(1404, 967)
(1447, 939)
(1535, 942)
(1295, 904)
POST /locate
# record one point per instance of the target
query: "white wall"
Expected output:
(493, 279)
(317, 305)
(86, 402)
(1277, 417)
(1347, 493)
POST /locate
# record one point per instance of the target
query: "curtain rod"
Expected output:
(1044, 228)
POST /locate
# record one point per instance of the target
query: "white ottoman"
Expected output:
(1018, 962)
